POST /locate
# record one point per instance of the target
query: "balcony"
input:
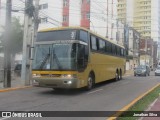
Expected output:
(122, 2)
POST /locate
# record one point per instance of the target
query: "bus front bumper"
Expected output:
(56, 82)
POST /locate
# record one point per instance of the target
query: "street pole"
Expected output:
(107, 19)
(36, 21)
(27, 41)
(7, 53)
(35, 29)
(145, 51)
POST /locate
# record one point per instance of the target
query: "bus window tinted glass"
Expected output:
(113, 49)
(122, 54)
(109, 47)
(84, 36)
(93, 43)
(101, 45)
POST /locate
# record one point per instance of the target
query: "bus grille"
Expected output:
(51, 75)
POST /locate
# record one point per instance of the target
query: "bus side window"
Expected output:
(101, 45)
(121, 52)
(118, 51)
(113, 49)
(109, 47)
(84, 36)
(93, 43)
(124, 52)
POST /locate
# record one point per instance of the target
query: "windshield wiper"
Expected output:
(57, 60)
(44, 60)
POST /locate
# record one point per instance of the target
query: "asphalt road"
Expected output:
(109, 96)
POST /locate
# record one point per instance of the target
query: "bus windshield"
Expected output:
(55, 57)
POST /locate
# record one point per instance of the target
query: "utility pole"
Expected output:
(26, 67)
(35, 28)
(7, 53)
(112, 23)
(0, 8)
(36, 18)
(36, 21)
(107, 18)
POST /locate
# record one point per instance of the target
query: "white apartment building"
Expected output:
(143, 15)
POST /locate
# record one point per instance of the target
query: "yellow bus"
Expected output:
(75, 57)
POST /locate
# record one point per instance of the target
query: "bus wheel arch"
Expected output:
(90, 80)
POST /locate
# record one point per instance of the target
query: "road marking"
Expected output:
(94, 91)
(114, 117)
(16, 88)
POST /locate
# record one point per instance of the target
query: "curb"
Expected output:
(15, 88)
(117, 114)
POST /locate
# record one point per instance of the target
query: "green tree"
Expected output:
(16, 41)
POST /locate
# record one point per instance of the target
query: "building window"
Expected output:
(88, 1)
(82, 1)
(65, 18)
(88, 15)
(65, 3)
(43, 6)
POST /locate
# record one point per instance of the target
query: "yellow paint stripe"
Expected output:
(15, 88)
(54, 72)
(114, 117)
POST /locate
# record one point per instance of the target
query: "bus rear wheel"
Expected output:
(90, 82)
(117, 76)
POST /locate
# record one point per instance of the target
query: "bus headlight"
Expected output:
(69, 76)
(69, 82)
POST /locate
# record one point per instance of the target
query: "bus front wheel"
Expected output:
(90, 82)
(120, 75)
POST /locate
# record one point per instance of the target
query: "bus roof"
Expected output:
(80, 28)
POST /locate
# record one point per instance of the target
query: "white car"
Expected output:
(157, 71)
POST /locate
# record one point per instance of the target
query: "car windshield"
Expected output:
(141, 67)
(158, 68)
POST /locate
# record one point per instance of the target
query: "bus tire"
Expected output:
(120, 75)
(116, 76)
(90, 82)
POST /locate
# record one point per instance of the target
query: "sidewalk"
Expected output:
(155, 106)
(16, 82)
(129, 72)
